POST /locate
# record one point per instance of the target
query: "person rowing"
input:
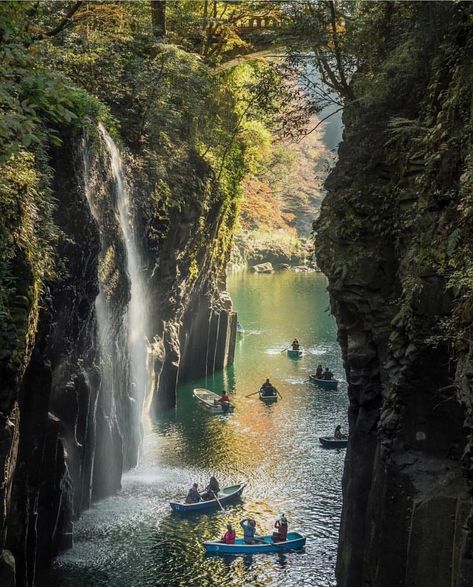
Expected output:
(295, 345)
(268, 389)
(338, 433)
(211, 490)
(328, 375)
(249, 531)
(224, 401)
(224, 398)
(319, 372)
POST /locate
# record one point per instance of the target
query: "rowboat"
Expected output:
(225, 496)
(293, 354)
(208, 398)
(331, 442)
(325, 383)
(294, 541)
(268, 398)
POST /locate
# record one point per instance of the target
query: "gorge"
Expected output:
(130, 154)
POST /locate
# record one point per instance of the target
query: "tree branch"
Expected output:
(66, 21)
(319, 123)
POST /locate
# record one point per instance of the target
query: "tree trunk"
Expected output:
(158, 17)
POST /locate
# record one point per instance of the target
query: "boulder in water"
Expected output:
(263, 268)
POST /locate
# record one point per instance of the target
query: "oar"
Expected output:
(250, 394)
(219, 503)
(284, 350)
(278, 393)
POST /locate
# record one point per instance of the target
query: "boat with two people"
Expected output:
(223, 497)
(213, 402)
(324, 379)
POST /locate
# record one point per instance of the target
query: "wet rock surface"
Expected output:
(69, 422)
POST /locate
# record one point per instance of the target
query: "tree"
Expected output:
(158, 17)
(325, 32)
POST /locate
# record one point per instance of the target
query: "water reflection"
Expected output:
(133, 539)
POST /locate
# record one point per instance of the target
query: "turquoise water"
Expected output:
(132, 539)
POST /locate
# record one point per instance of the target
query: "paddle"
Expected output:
(219, 503)
(278, 393)
(284, 350)
(249, 395)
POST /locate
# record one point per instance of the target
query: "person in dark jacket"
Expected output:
(295, 345)
(211, 490)
(319, 372)
(328, 375)
(268, 389)
(193, 496)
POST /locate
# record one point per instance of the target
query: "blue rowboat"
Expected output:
(292, 354)
(225, 496)
(331, 442)
(325, 383)
(294, 541)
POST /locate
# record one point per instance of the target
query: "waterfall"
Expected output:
(120, 309)
(137, 318)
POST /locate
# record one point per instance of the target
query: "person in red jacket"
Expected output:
(281, 527)
(229, 536)
(224, 398)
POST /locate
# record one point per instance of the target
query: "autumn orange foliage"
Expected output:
(261, 208)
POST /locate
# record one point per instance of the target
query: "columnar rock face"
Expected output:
(70, 420)
(394, 239)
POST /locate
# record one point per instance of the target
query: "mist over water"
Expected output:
(132, 539)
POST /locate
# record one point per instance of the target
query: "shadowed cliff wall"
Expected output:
(394, 239)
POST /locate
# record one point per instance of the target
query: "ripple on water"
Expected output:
(133, 539)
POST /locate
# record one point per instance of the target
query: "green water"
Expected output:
(132, 539)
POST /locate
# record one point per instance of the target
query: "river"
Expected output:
(132, 539)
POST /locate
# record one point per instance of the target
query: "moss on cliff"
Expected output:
(394, 238)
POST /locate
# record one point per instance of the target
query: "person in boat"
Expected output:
(319, 372)
(328, 375)
(224, 398)
(281, 529)
(249, 531)
(211, 490)
(268, 389)
(193, 496)
(295, 345)
(229, 536)
(338, 433)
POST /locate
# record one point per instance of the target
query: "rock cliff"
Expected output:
(82, 353)
(394, 239)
